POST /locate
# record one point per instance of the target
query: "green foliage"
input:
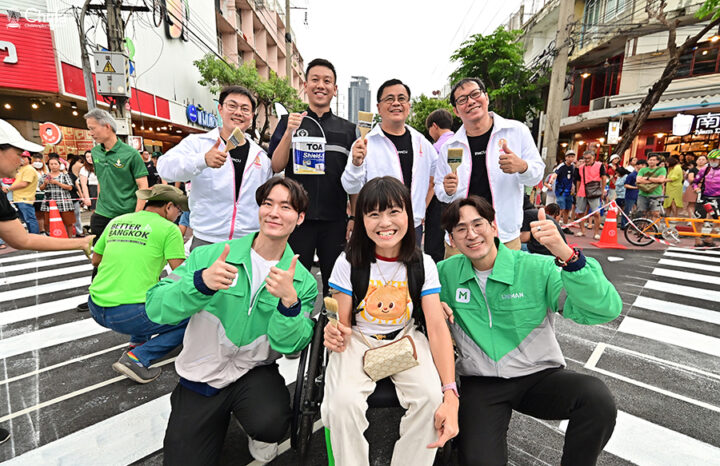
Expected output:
(497, 59)
(710, 8)
(422, 107)
(216, 74)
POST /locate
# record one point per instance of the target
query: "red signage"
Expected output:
(27, 60)
(50, 133)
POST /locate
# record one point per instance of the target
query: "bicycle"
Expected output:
(643, 231)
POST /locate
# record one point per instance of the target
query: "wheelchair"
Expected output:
(309, 389)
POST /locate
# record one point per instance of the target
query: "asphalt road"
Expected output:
(661, 359)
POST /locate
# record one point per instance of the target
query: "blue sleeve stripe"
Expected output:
(430, 291)
(339, 288)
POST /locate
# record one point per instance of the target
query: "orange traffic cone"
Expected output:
(57, 227)
(608, 240)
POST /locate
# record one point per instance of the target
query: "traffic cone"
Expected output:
(57, 227)
(608, 239)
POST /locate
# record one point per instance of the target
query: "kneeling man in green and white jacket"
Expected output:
(249, 302)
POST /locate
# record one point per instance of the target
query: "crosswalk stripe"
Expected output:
(690, 265)
(703, 252)
(682, 290)
(38, 255)
(50, 336)
(695, 277)
(40, 310)
(104, 442)
(667, 334)
(692, 257)
(28, 291)
(677, 309)
(47, 263)
(643, 442)
(46, 274)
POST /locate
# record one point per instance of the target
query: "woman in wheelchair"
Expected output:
(376, 310)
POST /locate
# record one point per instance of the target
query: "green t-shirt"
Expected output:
(652, 173)
(116, 171)
(135, 248)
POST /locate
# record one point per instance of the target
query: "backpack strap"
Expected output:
(359, 279)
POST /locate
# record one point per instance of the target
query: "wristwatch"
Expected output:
(451, 386)
(573, 257)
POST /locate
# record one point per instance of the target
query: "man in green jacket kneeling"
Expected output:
(503, 305)
(249, 302)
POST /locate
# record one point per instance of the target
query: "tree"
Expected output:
(497, 59)
(217, 73)
(711, 9)
(422, 107)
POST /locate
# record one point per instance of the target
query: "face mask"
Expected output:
(38, 165)
(714, 164)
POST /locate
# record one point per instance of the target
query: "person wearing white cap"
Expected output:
(612, 176)
(12, 145)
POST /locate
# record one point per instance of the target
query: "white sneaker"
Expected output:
(261, 451)
(597, 236)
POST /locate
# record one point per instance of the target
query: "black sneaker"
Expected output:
(4, 435)
(83, 307)
(136, 371)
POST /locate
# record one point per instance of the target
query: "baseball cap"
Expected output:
(9, 135)
(570, 152)
(164, 192)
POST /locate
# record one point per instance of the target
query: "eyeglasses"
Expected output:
(401, 99)
(477, 226)
(232, 106)
(475, 95)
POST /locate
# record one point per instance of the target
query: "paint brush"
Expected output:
(364, 123)
(454, 158)
(331, 306)
(236, 139)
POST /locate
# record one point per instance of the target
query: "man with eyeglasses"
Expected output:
(130, 254)
(222, 199)
(396, 149)
(499, 159)
(326, 224)
(501, 305)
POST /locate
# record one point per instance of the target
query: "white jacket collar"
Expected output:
(377, 130)
(498, 124)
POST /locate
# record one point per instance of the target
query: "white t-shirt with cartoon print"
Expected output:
(387, 306)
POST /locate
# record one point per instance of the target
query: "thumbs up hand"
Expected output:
(546, 233)
(510, 162)
(359, 151)
(220, 275)
(280, 283)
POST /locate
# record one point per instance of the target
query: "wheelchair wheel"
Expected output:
(636, 235)
(309, 390)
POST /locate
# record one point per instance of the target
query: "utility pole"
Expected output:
(85, 59)
(288, 43)
(116, 38)
(557, 83)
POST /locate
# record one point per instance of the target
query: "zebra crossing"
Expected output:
(661, 358)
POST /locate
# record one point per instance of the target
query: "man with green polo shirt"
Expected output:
(650, 181)
(130, 255)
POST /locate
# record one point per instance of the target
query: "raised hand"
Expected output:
(510, 162)
(359, 151)
(215, 158)
(279, 283)
(547, 234)
(220, 275)
(294, 120)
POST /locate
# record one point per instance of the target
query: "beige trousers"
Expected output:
(345, 403)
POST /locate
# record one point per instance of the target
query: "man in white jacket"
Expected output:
(395, 149)
(499, 158)
(222, 200)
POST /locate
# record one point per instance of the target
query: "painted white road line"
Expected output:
(47, 263)
(58, 273)
(667, 307)
(703, 252)
(38, 255)
(43, 289)
(643, 442)
(692, 257)
(672, 335)
(50, 336)
(690, 265)
(694, 277)
(595, 356)
(119, 440)
(686, 291)
(62, 364)
(40, 310)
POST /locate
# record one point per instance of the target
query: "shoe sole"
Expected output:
(5, 439)
(122, 369)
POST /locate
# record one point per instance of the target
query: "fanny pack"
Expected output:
(390, 359)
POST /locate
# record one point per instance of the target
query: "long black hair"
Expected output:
(380, 194)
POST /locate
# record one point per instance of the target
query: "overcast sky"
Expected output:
(411, 40)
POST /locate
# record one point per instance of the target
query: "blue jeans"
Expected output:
(627, 207)
(131, 319)
(27, 211)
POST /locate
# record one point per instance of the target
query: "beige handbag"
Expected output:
(389, 359)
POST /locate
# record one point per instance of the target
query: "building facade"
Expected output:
(358, 97)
